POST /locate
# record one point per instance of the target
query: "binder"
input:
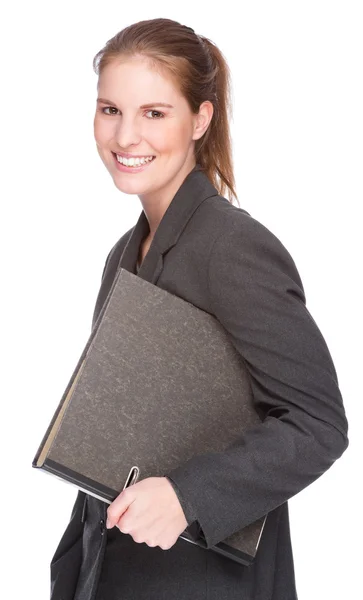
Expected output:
(158, 382)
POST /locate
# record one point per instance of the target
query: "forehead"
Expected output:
(133, 78)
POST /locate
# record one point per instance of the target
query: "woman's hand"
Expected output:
(150, 512)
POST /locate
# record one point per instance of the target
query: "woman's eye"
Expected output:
(157, 112)
(111, 107)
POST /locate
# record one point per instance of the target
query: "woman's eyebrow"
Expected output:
(149, 105)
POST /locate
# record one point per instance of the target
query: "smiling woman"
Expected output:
(161, 128)
(128, 127)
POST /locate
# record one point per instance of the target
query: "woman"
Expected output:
(163, 96)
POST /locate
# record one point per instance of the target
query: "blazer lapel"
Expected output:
(195, 188)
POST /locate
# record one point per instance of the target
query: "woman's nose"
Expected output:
(127, 133)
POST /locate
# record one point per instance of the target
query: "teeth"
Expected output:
(134, 162)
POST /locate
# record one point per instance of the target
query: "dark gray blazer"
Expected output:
(224, 261)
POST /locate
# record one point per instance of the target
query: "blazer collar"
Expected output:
(195, 188)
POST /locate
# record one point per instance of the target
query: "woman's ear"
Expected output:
(203, 119)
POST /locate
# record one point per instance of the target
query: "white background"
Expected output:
(297, 133)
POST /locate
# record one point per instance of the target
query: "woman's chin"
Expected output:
(128, 187)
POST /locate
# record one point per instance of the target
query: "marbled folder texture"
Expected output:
(161, 382)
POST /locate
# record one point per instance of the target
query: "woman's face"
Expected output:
(123, 125)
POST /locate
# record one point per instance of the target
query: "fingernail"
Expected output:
(108, 523)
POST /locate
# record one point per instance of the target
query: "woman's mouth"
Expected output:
(132, 168)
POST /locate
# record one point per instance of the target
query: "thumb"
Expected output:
(118, 507)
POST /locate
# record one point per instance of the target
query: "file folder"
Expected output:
(158, 381)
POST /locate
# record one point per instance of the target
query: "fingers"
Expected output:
(118, 507)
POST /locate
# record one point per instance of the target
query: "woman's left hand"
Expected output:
(150, 512)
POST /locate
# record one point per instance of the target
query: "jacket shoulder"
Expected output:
(238, 233)
(231, 218)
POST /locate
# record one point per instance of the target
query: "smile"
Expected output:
(132, 165)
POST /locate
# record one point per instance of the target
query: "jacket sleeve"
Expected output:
(256, 293)
(188, 510)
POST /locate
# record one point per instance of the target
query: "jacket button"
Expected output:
(102, 526)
